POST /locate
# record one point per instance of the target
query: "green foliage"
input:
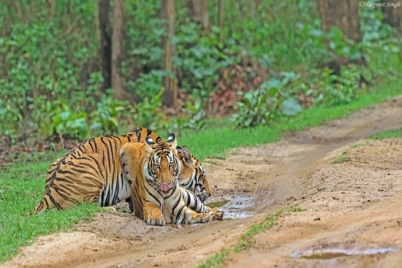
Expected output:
(332, 90)
(43, 62)
(198, 59)
(211, 142)
(194, 110)
(261, 106)
(105, 117)
(192, 118)
(256, 108)
(51, 76)
(148, 113)
(72, 122)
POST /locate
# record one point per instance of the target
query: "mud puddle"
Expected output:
(325, 254)
(234, 207)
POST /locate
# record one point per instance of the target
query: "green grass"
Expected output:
(21, 188)
(22, 184)
(396, 133)
(341, 159)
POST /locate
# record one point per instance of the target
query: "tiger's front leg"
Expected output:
(194, 203)
(152, 214)
(192, 217)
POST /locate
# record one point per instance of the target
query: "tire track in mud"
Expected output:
(270, 176)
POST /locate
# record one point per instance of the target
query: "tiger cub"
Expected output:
(156, 194)
(92, 173)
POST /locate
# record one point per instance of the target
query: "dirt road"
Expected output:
(348, 188)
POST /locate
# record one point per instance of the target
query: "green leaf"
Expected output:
(291, 107)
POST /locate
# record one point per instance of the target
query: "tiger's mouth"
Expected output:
(165, 187)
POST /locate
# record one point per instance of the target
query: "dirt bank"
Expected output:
(348, 189)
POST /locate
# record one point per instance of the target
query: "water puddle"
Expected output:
(325, 254)
(217, 204)
(234, 207)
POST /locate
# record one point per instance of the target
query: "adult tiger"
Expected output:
(92, 173)
(156, 194)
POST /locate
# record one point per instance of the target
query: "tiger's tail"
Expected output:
(44, 204)
(39, 207)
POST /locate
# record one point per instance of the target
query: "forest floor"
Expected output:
(347, 190)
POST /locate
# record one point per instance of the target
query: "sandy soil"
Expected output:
(347, 187)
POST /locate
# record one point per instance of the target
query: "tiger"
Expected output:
(156, 194)
(92, 173)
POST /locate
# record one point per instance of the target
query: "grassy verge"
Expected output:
(21, 185)
(397, 133)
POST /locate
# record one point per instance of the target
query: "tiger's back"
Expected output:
(91, 172)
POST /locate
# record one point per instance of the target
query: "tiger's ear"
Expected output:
(172, 140)
(148, 144)
(188, 158)
(149, 141)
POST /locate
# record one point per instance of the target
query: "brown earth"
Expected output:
(347, 187)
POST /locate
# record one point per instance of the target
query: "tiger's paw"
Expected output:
(152, 215)
(201, 218)
(155, 221)
(216, 213)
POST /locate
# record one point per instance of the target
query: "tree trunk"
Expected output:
(393, 13)
(169, 96)
(199, 12)
(116, 49)
(220, 19)
(343, 14)
(106, 44)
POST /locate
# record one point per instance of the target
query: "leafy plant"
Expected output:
(332, 90)
(194, 110)
(71, 122)
(105, 117)
(148, 113)
(254, 108)
(261, 106)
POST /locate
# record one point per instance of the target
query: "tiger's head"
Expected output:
(162, 167)
(192, 175)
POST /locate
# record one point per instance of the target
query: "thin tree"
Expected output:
(116, 49)
(199, 12)
(220, 19)
(169, 96)
(105, 44)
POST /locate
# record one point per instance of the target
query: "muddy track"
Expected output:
(255, 181)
